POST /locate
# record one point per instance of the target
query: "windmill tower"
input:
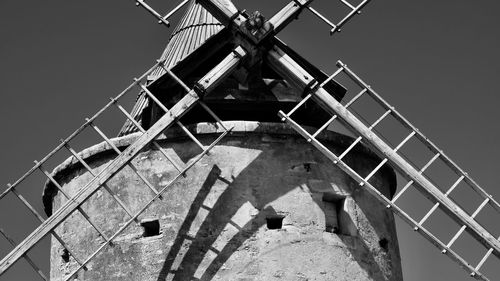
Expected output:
(208, 194)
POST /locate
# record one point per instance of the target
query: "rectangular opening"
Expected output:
(274, 222)
(337, 218)
(65, 255)
(150, 227)
(330, 208)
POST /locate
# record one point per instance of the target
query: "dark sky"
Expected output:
(438, 62)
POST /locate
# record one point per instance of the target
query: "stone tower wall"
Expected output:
(264, 205)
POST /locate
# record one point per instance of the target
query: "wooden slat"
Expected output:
(323, 18)
(353, 144)
(355, 11)
(324, 126)
(165, 109)
(348, 4)
(332, 76)
(174, 10)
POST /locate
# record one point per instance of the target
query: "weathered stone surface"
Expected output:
(214, 223)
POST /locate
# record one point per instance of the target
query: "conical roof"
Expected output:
(196, 26)
(193, 30)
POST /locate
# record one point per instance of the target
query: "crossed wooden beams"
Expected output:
(252, 36)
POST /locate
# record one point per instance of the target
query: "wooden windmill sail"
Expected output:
(318, 90)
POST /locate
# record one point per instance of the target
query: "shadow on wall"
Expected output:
(184, 260)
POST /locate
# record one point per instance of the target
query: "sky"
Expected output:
(436, 61)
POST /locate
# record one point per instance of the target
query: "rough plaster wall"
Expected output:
(213, 222)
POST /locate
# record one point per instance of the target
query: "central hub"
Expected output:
(256, 27)
(255, 22)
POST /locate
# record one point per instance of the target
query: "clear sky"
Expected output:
(438, 62)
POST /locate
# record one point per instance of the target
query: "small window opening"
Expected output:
(65, 255)
(384, 244)
(151, 228)
(275, 222)
(307, 167)
(337, 217)
(331, 204)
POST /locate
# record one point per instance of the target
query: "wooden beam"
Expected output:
(223, 11)
(332, 86)
(289, 13)
(285, 66)
(208, 82)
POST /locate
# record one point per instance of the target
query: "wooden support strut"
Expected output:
(209, 81)
(290, 70)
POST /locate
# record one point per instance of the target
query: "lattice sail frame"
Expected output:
(295, 74)
(365, 134)
(123, 159)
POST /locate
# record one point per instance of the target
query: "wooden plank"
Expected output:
(209, 81)
(290, 70)
(332, 86)
(288, 14)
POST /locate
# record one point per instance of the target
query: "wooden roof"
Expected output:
(196, 26)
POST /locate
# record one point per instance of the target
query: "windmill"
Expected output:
(299, 128)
